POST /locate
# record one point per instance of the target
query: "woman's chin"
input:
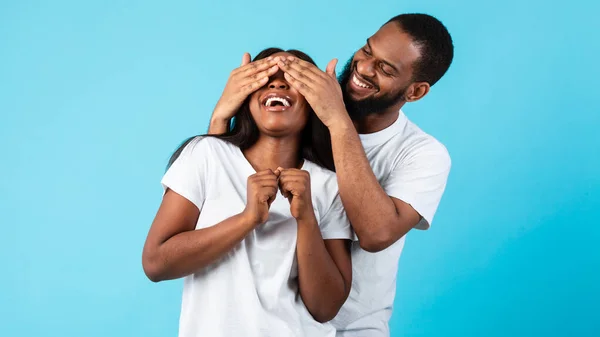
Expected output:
(278, 131)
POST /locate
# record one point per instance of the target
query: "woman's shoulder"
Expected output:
(317, 169)
(327, 203)
(208, 145)
(323, 181)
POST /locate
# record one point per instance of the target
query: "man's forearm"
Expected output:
(370, 210)
(218, 126)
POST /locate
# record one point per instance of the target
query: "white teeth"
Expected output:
(282, 100)
(360, 83)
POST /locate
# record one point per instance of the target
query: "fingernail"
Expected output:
(291, 58)
(270, 58)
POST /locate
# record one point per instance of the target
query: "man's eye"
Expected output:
(387, 73)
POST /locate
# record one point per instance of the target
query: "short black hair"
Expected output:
(435, 42)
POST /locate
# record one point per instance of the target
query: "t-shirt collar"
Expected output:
(380, 137)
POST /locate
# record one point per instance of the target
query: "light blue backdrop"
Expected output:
(94, 95)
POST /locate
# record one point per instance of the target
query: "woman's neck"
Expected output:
(271, 153)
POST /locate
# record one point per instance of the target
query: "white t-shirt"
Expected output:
(411, 166)
(253, 289)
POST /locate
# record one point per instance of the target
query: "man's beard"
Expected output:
(368, 106)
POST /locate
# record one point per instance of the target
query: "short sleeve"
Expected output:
(334, 223)
(187, 175)
(420, 182)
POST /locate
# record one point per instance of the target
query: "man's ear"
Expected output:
(417, 91)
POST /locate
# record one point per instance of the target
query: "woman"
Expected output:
(252, 218)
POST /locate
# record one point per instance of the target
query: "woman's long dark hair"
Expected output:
(315, 144)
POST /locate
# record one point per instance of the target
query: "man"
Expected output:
(391, 174)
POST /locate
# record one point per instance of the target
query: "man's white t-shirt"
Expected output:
(411, 166)
(252, 291)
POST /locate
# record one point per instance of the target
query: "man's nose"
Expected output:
(366, 68)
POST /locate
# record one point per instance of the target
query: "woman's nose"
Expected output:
(279, 83)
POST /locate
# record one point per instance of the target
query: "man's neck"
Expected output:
(271, 153)
(377, 122)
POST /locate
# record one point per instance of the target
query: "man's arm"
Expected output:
(218, 126)
(378, 219)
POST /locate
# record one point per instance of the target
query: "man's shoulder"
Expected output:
(414, 143)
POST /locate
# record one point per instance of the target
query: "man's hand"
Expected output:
(243, 81)
(321, 89)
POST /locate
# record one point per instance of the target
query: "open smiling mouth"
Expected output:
(277, 102)
(361, 83)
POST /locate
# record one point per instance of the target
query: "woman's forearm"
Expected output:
(322, 285)
(186, 252)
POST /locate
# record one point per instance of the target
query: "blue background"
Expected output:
(94, 96)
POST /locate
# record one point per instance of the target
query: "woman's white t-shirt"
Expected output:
(253, 289)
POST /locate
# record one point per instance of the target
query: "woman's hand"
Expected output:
(243, 81)
(262, 189)
(295, 186)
